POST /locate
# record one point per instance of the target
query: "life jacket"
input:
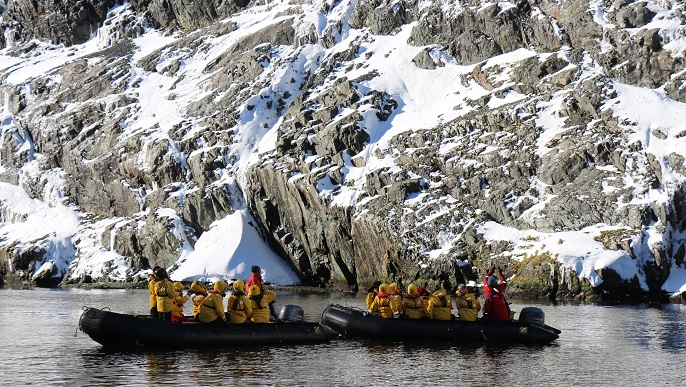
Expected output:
(258, 301)
(237, 301)
(161, 288)
(414, 304)
(203, 301)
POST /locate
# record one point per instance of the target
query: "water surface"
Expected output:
(599, 346)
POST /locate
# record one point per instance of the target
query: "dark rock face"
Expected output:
(187, 15)
(60, 22)
(341, 206)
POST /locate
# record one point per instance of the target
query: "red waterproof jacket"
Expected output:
(495, 307)
(255, 279)
(501, 287)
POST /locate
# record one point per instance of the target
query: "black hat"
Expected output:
(375, 285)
(255, 269)
(160, 273)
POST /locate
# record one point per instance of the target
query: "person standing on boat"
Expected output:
(371, 294)
(467, 303)
(153, 297)
(198, 293)
(382, 303)
(212, 307)
(440, 305)
(396, 299)
(495, 307)
(239, 306)
(259, 302)
(256, 279)
(164, 290)
(177, 307)
(500, 284)
(413, 303)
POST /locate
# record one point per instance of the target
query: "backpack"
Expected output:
(161, 289)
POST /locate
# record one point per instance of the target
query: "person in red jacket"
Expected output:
(500, 285)
(255, 279)
(495, 307)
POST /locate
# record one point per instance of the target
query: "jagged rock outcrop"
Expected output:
(312, 126)
(59, 22)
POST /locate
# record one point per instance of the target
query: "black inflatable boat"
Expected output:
(353, 322)
(122, 330)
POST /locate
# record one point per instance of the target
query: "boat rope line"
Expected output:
(278, 333)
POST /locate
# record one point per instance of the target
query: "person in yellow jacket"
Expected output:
(396, 299)
(413, 303)
(164, 290)
(440, 305)
(177, 307)
(371, 293)
(212, 307)
(238, 306)
(153, 297)
(260, 304)
(199, 292)
(382, 303)
(467, 303)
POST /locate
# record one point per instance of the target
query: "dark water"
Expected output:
(599, 346)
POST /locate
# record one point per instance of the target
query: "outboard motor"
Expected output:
(291, 313)
(532, 315)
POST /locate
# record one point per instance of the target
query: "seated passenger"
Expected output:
(460, 290)
(413, 303)
(238, 306)
(212, 307)
(440, 305)
(382, 303)
(467, 303)
(153, 296)
(396, 299)
(165, 293)
(259, 302)
(177, 307)
(371, 293)
(199, 292)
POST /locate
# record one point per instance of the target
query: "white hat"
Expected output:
(472, 284)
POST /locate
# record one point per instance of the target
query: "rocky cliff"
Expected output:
(404, 140)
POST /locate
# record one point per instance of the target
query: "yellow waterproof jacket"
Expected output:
(414, 307)
(177, 308)
(151, 290)
(260, 306)
(212, 307)
(382, 302)
(239, 307)
(396, 299)
(166, 294)
(440, 305)
(199, 296)
(370, 298)
(468, 307)
(198, 299)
